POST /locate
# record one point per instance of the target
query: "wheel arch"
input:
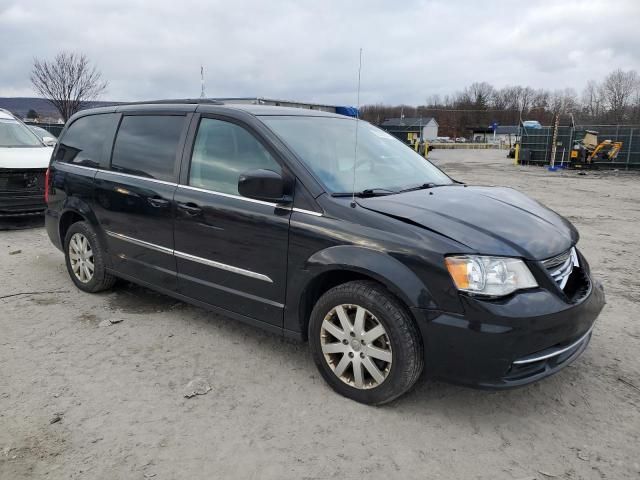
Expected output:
(68, 218)
(76, 210)
(341, 264)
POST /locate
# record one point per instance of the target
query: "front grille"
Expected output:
(569, 275)
(29, 181)
(561, 266)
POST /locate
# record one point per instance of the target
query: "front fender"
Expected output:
(384, 268)
(380, 266)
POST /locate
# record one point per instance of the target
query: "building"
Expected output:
(504, 134)
(410, 129)
(343, 110)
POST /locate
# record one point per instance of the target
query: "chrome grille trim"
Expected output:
(561, 266)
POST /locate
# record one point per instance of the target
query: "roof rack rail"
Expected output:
(177, 101)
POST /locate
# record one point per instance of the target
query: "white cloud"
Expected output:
(308, 50)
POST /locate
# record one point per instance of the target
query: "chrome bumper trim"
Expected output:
(537, 357)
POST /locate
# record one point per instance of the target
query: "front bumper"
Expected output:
(511, 342)
(21, 192)
(22, 206)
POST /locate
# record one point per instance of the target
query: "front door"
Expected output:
(134, 198)
(230, 251)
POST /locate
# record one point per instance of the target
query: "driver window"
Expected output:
(222, 152)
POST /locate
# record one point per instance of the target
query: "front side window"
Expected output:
(85, 140)
(14, 134)
(147, 146)
(327, 146)
(222, 152)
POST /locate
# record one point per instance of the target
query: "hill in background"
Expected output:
(19, 106)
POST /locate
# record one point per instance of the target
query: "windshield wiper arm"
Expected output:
(422, 186)
(367, 192)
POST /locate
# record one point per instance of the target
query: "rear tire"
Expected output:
(85, 259)
(364, 343)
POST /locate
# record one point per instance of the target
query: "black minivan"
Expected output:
(324, 228)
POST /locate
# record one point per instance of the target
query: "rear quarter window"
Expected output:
(87, 140)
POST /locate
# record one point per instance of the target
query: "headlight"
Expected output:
(492, 276)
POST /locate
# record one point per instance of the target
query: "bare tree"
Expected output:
(68, 82)
(480, 94)
(614, 100)
(592, 99)
(434, 100)
(618, 90)
(541, 100)
(563, 101)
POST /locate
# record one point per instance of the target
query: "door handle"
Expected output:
(158, 202)
(190, 208)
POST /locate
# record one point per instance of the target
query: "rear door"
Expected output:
(134, 198)
(231, 251)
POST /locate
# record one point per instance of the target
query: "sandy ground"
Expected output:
(115, 394)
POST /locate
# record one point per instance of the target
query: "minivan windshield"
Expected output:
(327, 146)
(15, 134)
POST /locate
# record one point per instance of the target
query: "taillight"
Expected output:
(46, 186)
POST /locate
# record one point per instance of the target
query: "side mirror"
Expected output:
(49, 141)
(261, 184)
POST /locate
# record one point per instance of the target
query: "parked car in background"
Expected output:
(532, 124)
(382, 262)
(24, 159)
(46, 136)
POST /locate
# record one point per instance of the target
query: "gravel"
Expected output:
(270, 415)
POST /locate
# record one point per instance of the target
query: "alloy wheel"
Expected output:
(81, 257)
(356, 346)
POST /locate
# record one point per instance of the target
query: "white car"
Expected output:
(48, 138)
(24, 160)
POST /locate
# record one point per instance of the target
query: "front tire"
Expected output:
(85, 259)
(365, 344)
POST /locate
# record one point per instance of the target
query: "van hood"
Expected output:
(488, 220)
(27, 157)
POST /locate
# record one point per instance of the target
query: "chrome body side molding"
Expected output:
(140, 243)
(192, 258)
(222, 266)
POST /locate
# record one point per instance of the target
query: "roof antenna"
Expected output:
(202, 95)
(355, 150)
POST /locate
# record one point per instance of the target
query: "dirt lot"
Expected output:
(115, 393)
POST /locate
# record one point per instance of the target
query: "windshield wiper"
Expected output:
(422, 186)
(367, 192)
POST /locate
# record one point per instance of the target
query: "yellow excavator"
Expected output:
(588, 151)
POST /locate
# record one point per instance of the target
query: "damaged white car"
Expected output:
(24, 159)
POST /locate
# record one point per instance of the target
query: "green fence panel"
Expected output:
(539, 142)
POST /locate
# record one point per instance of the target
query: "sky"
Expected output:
(308, 50)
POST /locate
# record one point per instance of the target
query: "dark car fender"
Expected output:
(351, 259)
(74, 207)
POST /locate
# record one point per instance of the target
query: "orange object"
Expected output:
(458, 270)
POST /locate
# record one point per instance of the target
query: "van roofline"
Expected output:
(208, 106)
